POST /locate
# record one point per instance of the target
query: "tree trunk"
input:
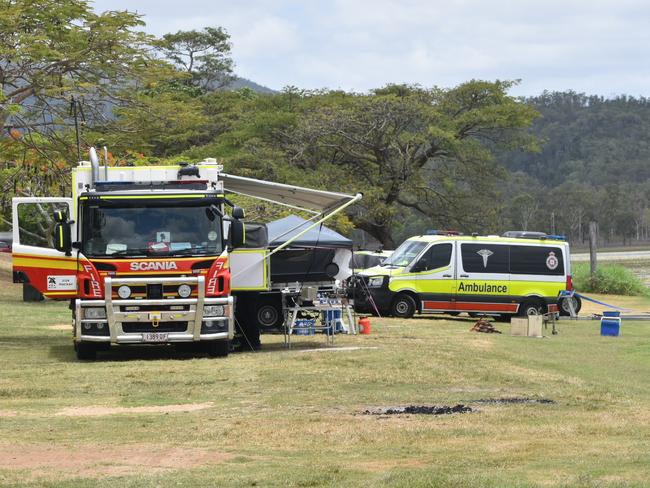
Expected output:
(379, 232)
(593, 233)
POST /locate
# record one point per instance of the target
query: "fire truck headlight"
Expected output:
(213, 311)
(95, 313)
(184, 291)
(124, 292)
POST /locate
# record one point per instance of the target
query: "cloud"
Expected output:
(596, 46)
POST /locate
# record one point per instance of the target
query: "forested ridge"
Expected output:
(470, 157)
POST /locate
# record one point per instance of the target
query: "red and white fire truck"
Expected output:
(145, 254)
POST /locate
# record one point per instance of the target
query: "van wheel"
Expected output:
(531, 307)
(563, 305)
(403, 306)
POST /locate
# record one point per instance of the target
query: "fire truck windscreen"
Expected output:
(150, 228)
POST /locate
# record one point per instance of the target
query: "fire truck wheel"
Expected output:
(85, 351)
(563, 305)
(269, 315)
(403, 306)
(218, 349)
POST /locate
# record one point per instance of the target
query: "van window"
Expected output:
(485, 258)
(405, 253)
(539, 260)
(437, 256)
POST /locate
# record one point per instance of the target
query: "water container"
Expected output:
(305, 327)
(610, 326)
(332, 320)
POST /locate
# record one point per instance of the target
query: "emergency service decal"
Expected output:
(61, 283)
(485, 254)
(551, 261)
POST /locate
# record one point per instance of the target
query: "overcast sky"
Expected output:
(592, 46)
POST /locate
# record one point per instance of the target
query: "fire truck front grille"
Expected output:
(153, 292)
(154, 308)
(129, 327)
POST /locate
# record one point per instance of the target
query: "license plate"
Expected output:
(155, 336)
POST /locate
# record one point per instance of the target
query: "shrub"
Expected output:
(611, 279)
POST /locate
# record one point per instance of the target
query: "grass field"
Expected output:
(145, 417)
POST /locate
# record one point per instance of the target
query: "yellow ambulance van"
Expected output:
(520, 273)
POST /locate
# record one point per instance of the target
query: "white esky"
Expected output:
(592, 46)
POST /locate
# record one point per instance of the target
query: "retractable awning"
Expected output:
(315, 201)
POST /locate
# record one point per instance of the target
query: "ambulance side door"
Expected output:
(483, 278)
(35, 260)
(435, 280)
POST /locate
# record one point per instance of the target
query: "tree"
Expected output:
(403, 146)
(204, 55)
(53, 50)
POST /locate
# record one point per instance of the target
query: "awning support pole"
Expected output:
(356, 198)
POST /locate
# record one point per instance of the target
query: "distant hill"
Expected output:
(239, 83)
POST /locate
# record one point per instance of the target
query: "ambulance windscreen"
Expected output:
(405, 254)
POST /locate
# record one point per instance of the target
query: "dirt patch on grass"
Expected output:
(53, 461)
(420, 410)
(337, 349)
(8, 413)
(387, 465)
(101, 411)
(60, 327)
(515, 400)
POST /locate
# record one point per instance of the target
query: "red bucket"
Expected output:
(364, 325)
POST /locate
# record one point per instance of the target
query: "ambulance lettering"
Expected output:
(153, 266)
(481, 288)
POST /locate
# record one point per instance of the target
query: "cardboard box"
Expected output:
(535, 323)
(519, 326)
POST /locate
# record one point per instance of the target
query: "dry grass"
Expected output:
(284, 418)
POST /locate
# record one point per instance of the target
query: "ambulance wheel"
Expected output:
(85, 351)
(218, 349)
(563, 305)
(531, 307)
(453, 314)
(403, 306)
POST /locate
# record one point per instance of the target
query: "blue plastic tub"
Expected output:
(305, 327)
(332, 320)
(610, 326)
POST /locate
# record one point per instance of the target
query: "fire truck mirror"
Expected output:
(238, 213)
(237, 234)
(62, 238)
(60, 216)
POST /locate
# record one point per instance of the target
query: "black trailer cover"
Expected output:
(280, 231)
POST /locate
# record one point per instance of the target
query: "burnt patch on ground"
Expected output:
(420, 410)
(514, 400)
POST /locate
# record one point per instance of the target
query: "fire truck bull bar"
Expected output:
(116, 316)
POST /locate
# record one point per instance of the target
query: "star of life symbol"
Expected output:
(551, 261)
(485, 254)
